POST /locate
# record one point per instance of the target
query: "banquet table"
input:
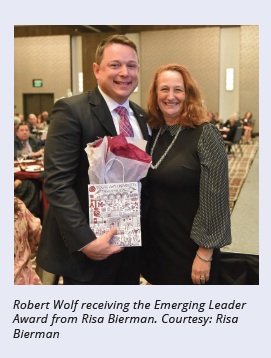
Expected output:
(37, 174)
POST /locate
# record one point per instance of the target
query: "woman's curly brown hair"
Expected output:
(193, 112)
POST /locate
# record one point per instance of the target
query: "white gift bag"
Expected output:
(116, 205)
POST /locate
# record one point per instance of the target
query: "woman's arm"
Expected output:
(211, 227)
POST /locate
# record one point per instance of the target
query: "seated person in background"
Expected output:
(230, 132)
(38, 119)
(237, 119)
(23, 140)
(42, 124)
(212, 118)
(227, 124)
(215, 120)
(246, 123)
(27, 231)
(45, 117)
(21, 116)
(209, 117)
(32, 122)
(29, 191)
(16, 122)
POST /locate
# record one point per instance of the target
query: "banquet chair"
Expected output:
(252, 134)
(235, 143)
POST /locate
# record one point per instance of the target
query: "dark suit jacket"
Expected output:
(75, 122)
(231, 133)
(34, 143)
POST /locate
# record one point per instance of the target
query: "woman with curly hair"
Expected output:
(27, 231)
(185, 202)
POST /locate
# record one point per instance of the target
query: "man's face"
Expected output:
(32, 120)
(117, 74)
(23, 133)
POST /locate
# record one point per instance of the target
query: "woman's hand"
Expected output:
(201, 268)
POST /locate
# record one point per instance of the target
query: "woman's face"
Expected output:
(248, 115)
(170, 95)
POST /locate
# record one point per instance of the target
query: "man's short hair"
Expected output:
(114, 39)
(23, 124)
(31, 115)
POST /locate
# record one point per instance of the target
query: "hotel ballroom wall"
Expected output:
(48, 57)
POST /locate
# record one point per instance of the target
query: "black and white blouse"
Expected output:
(211, 226)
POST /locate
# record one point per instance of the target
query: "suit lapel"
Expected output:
(142, 121)
(101, 111)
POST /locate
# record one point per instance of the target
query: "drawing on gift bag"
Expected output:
(116, 205)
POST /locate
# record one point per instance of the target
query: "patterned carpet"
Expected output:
(238, 170)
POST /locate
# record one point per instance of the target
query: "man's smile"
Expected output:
(123, 83)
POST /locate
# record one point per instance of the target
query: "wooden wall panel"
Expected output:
(44, 30)
(89, 44)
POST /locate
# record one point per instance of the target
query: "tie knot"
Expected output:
(121, 110)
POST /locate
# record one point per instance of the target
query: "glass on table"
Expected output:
(25, 153)
(20, 157)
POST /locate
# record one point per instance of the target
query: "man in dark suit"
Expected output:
(23, 140)
(68, 247)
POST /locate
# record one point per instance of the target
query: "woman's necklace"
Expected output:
(168, 149)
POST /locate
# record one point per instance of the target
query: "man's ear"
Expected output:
(96, 69)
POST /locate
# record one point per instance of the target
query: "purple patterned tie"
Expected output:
(125, 125)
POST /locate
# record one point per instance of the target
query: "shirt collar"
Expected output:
(113, 104)
(172, 129)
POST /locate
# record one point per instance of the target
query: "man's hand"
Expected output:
(38, 153)
(99, 249)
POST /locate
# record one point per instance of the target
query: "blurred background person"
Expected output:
(21, 116)
(27, 231)
(246, 123)
(32, 122)
(16, 122)
(230, 130)
(42, 124)
(229, 136)
(23, 140)
(45, 117)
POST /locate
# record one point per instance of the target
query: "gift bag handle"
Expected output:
(120, 163)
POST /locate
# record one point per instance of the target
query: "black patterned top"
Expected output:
(211, 227)
(185, 203)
